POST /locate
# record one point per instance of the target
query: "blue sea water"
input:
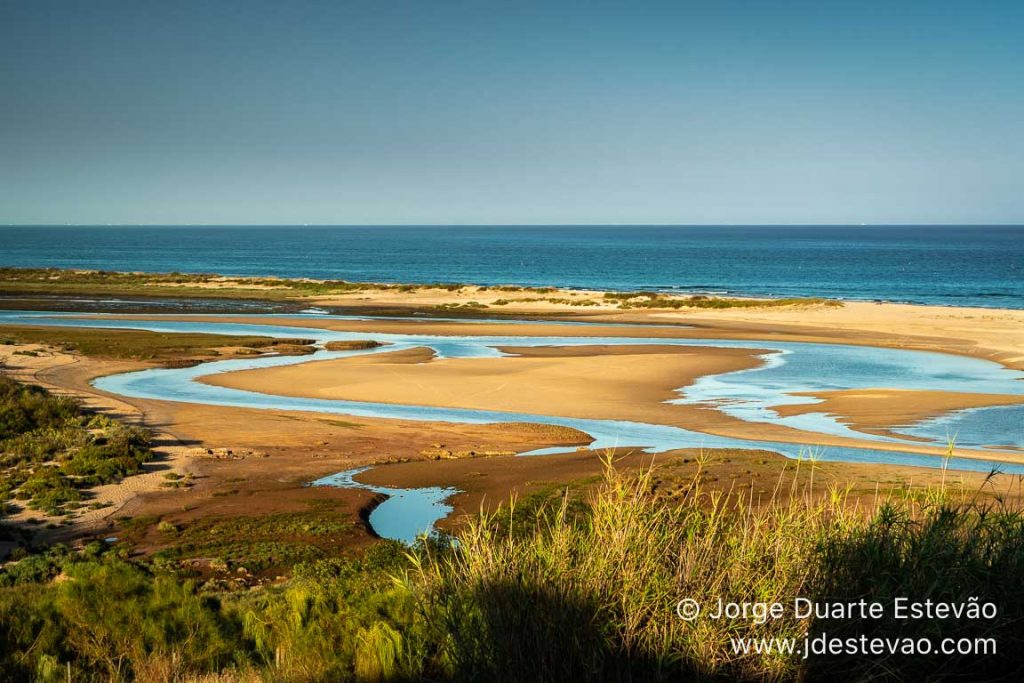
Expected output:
(947, 265)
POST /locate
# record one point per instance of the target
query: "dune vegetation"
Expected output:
(51, 451)
(567, 588)
(51, 282)
(56, 281)
(645, 299)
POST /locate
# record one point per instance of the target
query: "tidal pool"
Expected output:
(406, 514)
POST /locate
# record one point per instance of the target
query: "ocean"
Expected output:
(945, 265)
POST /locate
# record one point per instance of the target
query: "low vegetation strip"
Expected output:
(657, 300)
(352, 345)
(573, 588)
(141, 344)
(53, 281)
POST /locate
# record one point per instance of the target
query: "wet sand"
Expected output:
(602, 382)
(590, 381)
(878, 411)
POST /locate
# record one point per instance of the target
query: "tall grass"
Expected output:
(594, 596)
(573, 591)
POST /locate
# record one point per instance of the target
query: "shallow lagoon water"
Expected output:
(748, 394)
(406, 514)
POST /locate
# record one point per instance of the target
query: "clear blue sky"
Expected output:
(511, 112)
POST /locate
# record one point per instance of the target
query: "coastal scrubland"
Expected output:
(644, 299)
(577, 579)
(574, 583)
(51, 452)
(54, 281)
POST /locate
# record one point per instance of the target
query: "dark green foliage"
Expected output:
(120, 621)
(54, 280)
(37, 568)
(952, 554)
(26, 408)
(174, 349)
(110, 619)
(122, 454)
(257, 543)
(48, 489)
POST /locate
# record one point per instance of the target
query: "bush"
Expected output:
(50, 449)
(48, 489)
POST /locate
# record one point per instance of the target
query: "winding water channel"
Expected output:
(750, 395)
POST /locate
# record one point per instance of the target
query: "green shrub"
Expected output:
(50, 449)
(48, 489)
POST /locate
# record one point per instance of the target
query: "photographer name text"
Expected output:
(805, 608)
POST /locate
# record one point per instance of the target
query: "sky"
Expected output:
(434, 112)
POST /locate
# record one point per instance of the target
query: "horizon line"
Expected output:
(512, 225)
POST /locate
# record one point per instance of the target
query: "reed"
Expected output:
(594, 595)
